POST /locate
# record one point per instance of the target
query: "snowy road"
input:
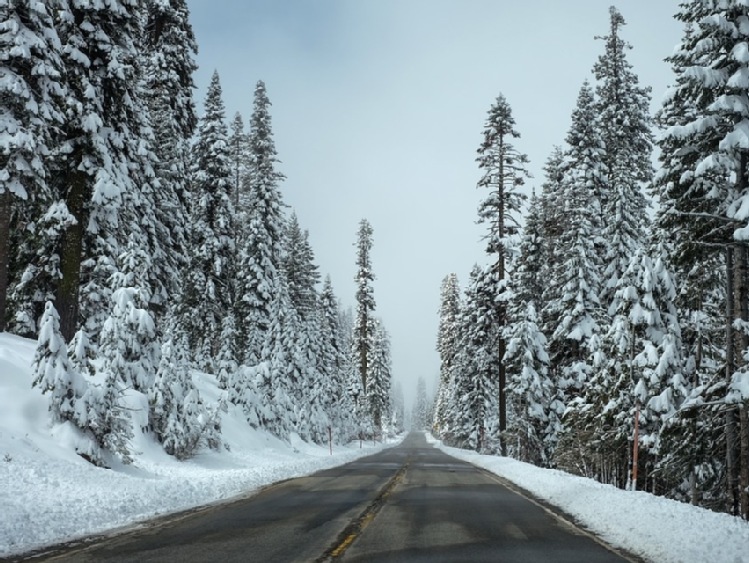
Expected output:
(407, 503)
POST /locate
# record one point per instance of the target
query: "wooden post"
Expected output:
(636, 447)
(330, 439)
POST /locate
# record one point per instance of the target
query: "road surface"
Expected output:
(408, 503)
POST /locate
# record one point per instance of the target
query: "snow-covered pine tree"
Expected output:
(532, 396)
(551, 211)
(572, 313)
(360, 419)
(530, 265)
(53, 372)
(301, 271)
(331, 364)
(535, 409)
(104, 166)
(365, 303)
(641, 364)
(178, 416)
(280, 375)
(447, 347)
(309, 393)
(239, 148)
(398, 423)
(209, 281)
(261, 244)
(504, 171)
(226, 360)
(380, 375)
(32, 90)
(472, 406)
(622, 113)
(690, 221)
(169, 63)
(709, 105)
(128, 344)
(420, 407)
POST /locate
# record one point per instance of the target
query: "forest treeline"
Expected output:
(140, 242)
(610, 335)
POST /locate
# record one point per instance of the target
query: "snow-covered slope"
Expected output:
(657, 529)
(48, 494)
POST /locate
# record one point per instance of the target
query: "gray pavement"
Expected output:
(409, 503)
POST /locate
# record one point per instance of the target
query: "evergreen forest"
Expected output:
(608, 336)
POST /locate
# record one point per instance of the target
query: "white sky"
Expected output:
(378, 109)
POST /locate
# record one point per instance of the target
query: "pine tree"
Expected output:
(380, 375)
(178, 416)
(447, 346)
(169, 63)
(280, 375)
(53, 372)
(104, 172)
(301, 271)
(226, 361)
(708, 107)
(504, 172)
(208, 293)
(691, 219)
(530, 266)
(534, 402)
(365, 303)
(332, 363)
(551, 203)
(261, 246)
(641, 365)
(622, 113)
(419, 411)
(240, 165)
(473, 407)
(32, 89)
(399, 409)
(128, 338)
(572, 313)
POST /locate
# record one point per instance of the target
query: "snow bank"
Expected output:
(654, 528)
(51, 495)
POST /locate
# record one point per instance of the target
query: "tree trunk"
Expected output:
(502, 309)
(742, 342)
(744, 461)
(71, 252)
(732, 503)
(4, 254)
(363, 352)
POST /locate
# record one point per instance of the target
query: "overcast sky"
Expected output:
(378, 109)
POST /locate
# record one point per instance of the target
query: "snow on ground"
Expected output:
(49, 495)
(654, 528)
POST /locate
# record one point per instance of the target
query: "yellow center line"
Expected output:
(358, 525)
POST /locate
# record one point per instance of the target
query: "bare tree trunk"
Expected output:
(71, 253)
(732, 503)
(4, 254)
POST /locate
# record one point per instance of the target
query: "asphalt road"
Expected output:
(407, 503)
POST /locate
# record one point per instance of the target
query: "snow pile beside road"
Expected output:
(48, 494)
(655, 528)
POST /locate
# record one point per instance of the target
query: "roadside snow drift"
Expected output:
(655, 528)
